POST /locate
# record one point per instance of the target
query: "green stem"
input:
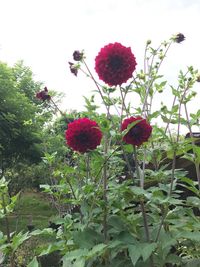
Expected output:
(151, 79)
(105, 228)
(146, 227)
(87, 166)
(193, 145)
(6, 219)
(98, 87)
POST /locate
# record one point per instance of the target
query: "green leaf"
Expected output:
(147, 249)
(128, 148)
(174, 259)
(96, 250)
(154, 115)
(194, 201)
(194, 236)
(33, 263)
(134, 253)
(116, 222)
(192, 263)
(18, 239)
(138, 191)
(126, 238)
(86, 238)
(75, 254)
(52, 247)
(79, 263)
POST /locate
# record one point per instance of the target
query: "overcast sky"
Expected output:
(44, 33)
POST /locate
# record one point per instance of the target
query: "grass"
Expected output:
(31, 207)
(36, 208)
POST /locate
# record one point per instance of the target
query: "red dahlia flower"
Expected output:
(115, 64)
(139, 133)
(43, 95)
(83, 135)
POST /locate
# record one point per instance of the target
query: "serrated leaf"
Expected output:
(96, 250)
(74, 254)
(194, 236)
(18, 239)
(79, 263)
(33, 263)
(134, 253)
(195, 201)
(116, 222)
(147, 249)
(86, 238)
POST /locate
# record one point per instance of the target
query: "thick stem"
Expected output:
(56, 106)
(137, 167)
(193, 144)
(87, 166)
(124, 108)
(73, 194)
(173, 173)
(6, 218)
(144, 215)
(146, 227)
(105, 192)
(160, 226)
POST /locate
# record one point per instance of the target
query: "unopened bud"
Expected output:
(178, 38)
(73, 68)
(148, 42)
(77, 55)
(198, 78)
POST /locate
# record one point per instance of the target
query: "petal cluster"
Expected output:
(139, 133)
(115, 64)
(83, 135)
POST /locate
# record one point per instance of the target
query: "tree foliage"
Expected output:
(20, 126)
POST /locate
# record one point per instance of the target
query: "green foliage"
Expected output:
(119, 205)
(18, 138)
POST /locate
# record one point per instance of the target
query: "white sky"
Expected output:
(44, 33)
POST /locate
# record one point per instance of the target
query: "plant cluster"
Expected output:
(122, 201)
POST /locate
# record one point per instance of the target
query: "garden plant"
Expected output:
(120, 197)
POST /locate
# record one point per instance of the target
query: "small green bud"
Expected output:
(198, 78)
(148, 42)
(141, 76)
(161, 56)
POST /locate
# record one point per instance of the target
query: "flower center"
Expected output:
(135, 131)
(115, 62)
(82, 137)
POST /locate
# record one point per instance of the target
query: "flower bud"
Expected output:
(43, 95)
(73, 68)
(198, 78)
(77, 55)
(178, 38)
(148, 42)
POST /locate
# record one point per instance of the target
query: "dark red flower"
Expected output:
(178, 38)
(115, 64)
(83, 135)
(73, 68)
(77, 55)
(139, 133)
(43, 95)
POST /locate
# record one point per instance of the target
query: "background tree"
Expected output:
(22, 117)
